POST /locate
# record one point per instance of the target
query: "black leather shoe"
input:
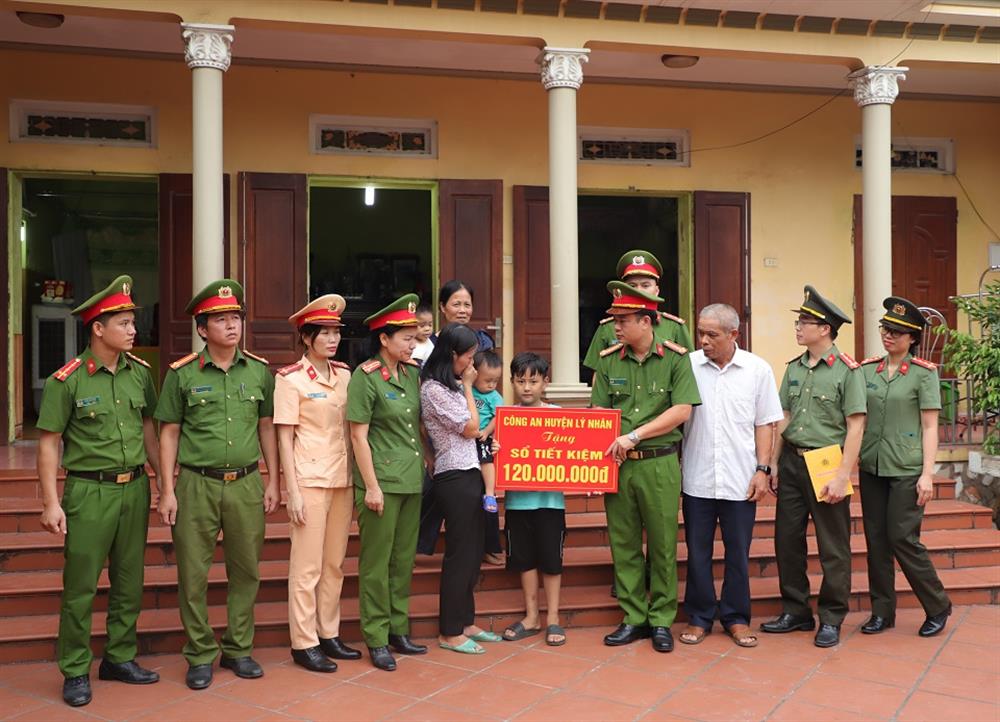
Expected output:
(626, 634)
(313, 659)
(199, 676)
(787, 623)
(934, 625)
(243, 667)
(335, 649)
(76, 691)
(663, 640)
(404, 645)
(877, 624)
(382, 658)
(128, 672)
(828, 635)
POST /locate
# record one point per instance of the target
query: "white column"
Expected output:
(207, 53)
(875, 90)
(562, 75)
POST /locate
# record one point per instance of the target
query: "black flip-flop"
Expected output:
(520, 632)
(555, 629)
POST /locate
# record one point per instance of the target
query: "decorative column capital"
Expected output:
(207, 46)
(876, 84)
(563, 67)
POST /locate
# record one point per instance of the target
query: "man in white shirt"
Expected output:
(727, 446)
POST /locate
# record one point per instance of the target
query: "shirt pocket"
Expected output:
(911, 448)
(92, 414)
(249, 399)
(743, 409)
(204, 409)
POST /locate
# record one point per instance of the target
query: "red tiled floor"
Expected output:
(926, 707)
(892, 676)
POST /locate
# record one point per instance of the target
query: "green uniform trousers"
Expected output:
(892, 529)
(796, 503)
(648, 498)
(104, 523)
(204, 507)
(385, 565)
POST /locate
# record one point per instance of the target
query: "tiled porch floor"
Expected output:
(894, 676)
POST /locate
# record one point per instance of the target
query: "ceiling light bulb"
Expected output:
(369, 195)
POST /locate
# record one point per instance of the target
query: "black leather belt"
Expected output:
(110, 477)
(223, 474)
(800, 450)
(640, 454)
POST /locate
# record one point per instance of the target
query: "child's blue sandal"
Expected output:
(490, 504)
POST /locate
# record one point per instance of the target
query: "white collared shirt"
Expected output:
(719, 449)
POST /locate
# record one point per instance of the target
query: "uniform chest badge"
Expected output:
(391, 395)
(316, 395)
(200, 389)
(89, 401)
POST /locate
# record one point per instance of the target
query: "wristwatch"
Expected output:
(633, 437)
(764, 467)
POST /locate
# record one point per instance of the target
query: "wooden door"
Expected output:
(471, 244)
(721, 255)
(5, 410)
(175, 218)
(532, 280)
(273, 261)
(924, 255)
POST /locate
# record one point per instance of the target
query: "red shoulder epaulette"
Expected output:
(371, 366)
(66, 371)
(606, 320)
(924, 362)
(340, 365)
(672, 317)
(290, 369)
(871, 360)
(138, 360)
(183, 361)
(851, 363)
(255, 357)
(675, 347)
(611, 349)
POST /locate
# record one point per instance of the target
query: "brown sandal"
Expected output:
(742, 635)
(693, 635)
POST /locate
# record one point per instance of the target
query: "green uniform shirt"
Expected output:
(645, 389)
(666, 330)
(218, 410)
(893, 440)
(819, 399)
(99, 413)
(391, 408)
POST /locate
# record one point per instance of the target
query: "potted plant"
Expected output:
(978, 360)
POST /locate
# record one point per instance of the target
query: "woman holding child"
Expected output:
(451, 419)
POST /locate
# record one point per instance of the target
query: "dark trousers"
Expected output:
(431, 516)
(736, 519)
(796, 503)
(459, 494)
(892, 529)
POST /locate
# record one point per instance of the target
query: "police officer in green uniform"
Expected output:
(897, 469)
(823, 396)
(383, 407)
(651, 381)
(639, 269)
(215, 409)
(100, 404)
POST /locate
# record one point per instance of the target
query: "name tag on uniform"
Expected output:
(316, 395)
(391, 395)
(617, 382)
(89, 401)
(872, 386)
(793, 382)
(200, 389)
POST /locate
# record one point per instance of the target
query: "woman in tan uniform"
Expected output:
(310, 413)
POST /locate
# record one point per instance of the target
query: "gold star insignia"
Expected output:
(225, 292)
(126, 288)
(639, 260)
(899, 309)
(411, 307)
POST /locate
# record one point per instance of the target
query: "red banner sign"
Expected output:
(550, 449)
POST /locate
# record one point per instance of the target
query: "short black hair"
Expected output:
(455, 338)
(451, 288)
(102, 319)
(834, 331)
(308, 333)
(528, 363)
(375, 337)
(424, 307)
(489, 359)
(653, 316)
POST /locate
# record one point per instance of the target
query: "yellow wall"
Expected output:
(801, 181)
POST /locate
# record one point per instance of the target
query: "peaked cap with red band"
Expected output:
(115, 298)
(639, 263)
(626, 300)
(324, 311)
(401, 312)
(217, 297)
